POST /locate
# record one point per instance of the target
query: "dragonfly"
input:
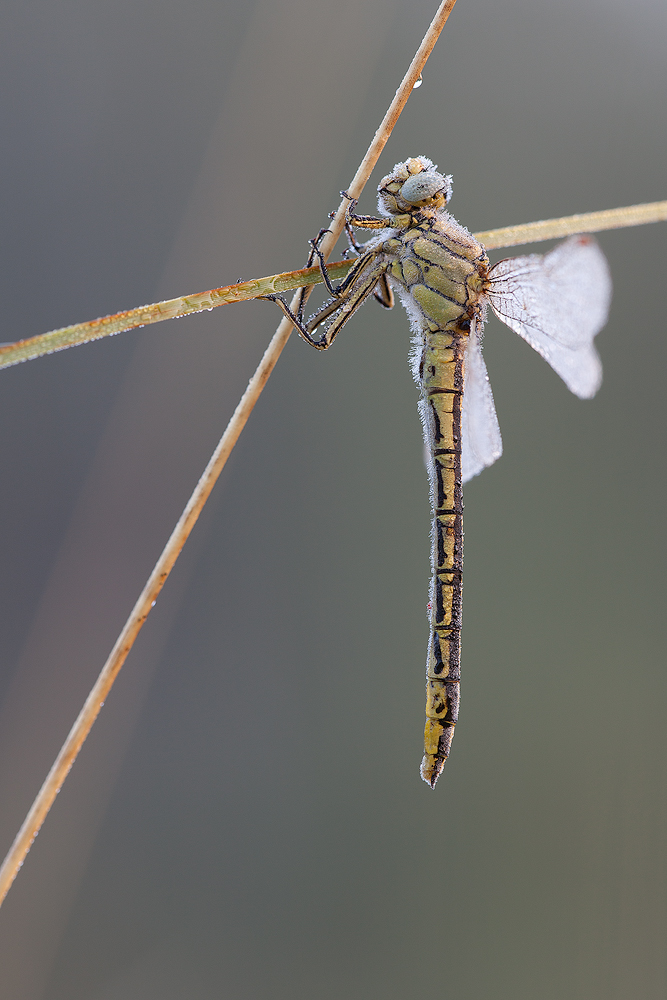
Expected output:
(557, 302)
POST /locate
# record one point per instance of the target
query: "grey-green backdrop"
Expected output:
(247, 818)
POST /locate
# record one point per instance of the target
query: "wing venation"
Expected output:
(557, 302)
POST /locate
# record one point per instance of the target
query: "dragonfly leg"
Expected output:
(352, 241)
(355, 289)
(352, 244)
(315, 243)
(316, 252)
(297, 320)
(383, 292)
(366, 221)
(352, 202)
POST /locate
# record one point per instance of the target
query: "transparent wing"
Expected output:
(481, 443)
(558, 302)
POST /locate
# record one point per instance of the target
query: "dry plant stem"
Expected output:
(530, 232)
(568, 225)
(179, 536)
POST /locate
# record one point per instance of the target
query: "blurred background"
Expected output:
(247, 818)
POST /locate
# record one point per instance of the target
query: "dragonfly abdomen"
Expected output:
(441, 369)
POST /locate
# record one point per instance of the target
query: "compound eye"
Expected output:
(421, 187)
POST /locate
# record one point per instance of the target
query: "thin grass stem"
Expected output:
(568, 225)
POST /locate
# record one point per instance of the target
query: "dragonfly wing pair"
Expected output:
(557, 302)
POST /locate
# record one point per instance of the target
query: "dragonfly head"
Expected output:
(412, 185)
